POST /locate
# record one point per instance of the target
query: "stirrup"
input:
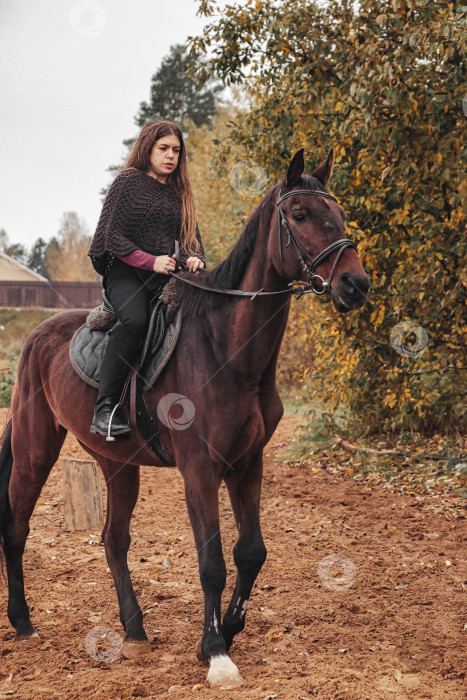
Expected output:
(109, 437)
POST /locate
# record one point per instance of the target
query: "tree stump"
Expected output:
(82, 495)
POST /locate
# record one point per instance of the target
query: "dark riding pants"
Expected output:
(130, 297)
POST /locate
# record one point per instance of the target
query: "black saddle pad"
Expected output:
(88, 346)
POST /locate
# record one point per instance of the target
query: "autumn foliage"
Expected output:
(383, 83)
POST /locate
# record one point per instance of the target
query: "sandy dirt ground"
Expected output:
(362, 595)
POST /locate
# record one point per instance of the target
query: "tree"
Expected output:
(18, 252)
(37, 261)
(13, 250)
(176, 95)
(53, 259)
(222, 206)
(4, 241)
(383, 83)
(66, 256)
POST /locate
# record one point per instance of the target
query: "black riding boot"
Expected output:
(129, 297)
(115, 366)
(109, 418)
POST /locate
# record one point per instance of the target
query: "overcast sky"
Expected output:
(72, 76)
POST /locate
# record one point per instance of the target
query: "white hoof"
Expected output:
(31, 640)
(223, 673)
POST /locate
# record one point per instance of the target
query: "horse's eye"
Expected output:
(299, 217)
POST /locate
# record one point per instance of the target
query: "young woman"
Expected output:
(148, 207)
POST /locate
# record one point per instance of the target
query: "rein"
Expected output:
(296, 288)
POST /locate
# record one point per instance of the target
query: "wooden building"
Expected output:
(20, 286)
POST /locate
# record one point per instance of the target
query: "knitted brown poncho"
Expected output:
(139, 213)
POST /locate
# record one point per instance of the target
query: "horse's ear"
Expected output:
(296, 169)
(324, 171)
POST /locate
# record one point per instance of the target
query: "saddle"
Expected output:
(87, 347)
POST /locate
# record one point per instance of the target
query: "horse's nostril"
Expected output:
(363, 284)
(347, 283)
(352, 284)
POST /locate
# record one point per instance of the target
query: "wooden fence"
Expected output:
(74, 295)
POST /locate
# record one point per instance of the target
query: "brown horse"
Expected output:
(225, 365)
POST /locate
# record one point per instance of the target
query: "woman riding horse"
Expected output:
(149, 206)
(296, 234)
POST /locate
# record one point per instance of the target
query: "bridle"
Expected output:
(296, 288)
(310, 270)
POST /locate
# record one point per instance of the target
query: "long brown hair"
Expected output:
(178, 180)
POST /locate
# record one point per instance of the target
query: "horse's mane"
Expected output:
(229, 273)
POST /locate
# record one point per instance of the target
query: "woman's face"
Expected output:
(164, 157)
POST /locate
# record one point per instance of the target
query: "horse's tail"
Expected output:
(6, 463)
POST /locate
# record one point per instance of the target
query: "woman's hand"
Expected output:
(194, 263)
(164, 264)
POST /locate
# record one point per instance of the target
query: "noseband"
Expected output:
(324, 286)
(295, 288)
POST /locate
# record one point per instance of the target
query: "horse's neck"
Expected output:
(254, 328)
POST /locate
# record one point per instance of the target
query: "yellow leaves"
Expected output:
(381, 20)
(388, 163)
(377, 316)
(390, 400)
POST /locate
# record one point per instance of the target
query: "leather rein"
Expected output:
(316, 283)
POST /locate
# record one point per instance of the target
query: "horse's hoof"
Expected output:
(223, 673)
(30, 640)
(199, 653)
(133, 649)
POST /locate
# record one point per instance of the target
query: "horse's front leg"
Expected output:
(249, 552)
(201, 493)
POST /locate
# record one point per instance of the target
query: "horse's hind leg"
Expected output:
(122, 493)
(249, 551)
(36, 442)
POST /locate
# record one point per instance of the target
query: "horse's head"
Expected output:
(311, 245)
